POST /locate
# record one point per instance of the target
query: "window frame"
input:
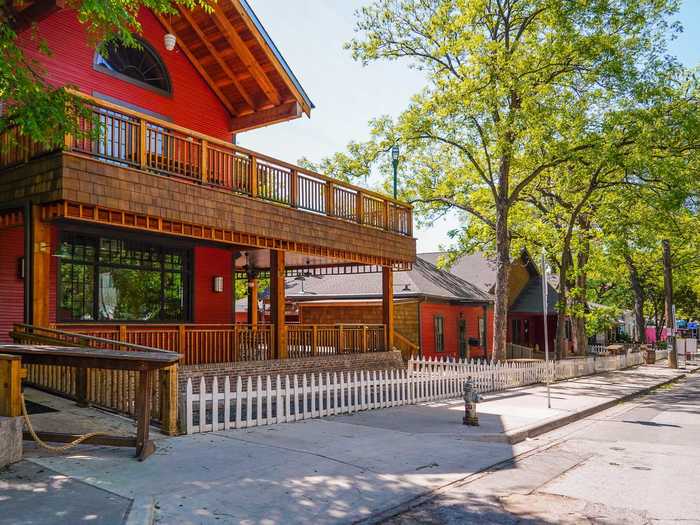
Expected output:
(126, 78)
(186, 272)
(439, 322)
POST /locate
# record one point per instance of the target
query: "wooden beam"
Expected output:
(265, 117)
(271, 56)
(41, 264)
(35, 12)
(252, 300)
(388, 306)
(277, 274)
(212, 50)
(225, 101)
(245, 54)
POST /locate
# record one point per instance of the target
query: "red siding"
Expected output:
(192, 103)
(451, 314)
(536, 329)
(11, 287)
(209, 306)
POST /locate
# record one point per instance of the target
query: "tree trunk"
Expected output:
(560, 342)
(668, 292)
(638, 293)
(500, 317)
(579, 324)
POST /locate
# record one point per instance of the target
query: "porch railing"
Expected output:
(120, 136)
(226, 343)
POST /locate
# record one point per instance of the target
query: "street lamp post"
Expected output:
(395, 164)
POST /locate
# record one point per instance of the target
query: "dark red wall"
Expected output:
(211, 307)
(192, 103)
(536, 336)
(451, 313)
(11, 287)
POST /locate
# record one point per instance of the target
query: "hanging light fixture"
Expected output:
(169, 41)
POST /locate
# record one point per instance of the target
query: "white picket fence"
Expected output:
(267, 400)
(597, 349)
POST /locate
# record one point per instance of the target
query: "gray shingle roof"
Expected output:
(424, 280)
(473, 268)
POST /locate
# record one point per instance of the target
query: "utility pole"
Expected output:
(546, 332)
(670, 318)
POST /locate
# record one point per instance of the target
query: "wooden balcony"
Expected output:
(121, 137)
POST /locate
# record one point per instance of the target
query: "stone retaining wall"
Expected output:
(307, 365)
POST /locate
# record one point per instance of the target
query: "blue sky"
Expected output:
(311, 33)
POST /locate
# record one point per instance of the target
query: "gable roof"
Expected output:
(235, 55)
(423, 280)
(530, 298)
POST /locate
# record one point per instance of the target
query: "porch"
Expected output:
(224, 343)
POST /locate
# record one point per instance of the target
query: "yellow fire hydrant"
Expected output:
(471, 398)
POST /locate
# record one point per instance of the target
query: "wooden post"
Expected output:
(122, 334)
(386, 215)
(168, 399)
(388, 306)
(143, 144)
(364, 339)
(253, 177)
(314, 340)
(330, 197)
(144, 446)
(182, 341)
(277, 274)
(252, 299)
(41, 265)
(341, 339)
(294, 188)
(81, 386)
(10, 385)
(359, 207)
(204, 161)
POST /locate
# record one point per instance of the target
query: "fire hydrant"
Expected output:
(471, 398)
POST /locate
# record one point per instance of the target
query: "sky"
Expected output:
(310, 35)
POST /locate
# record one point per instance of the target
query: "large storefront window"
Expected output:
(103, 279)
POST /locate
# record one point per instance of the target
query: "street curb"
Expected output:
(554, 423)
(142, 511)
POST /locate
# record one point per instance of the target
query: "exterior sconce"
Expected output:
(169, 41)
(20, 268)
(218, 284)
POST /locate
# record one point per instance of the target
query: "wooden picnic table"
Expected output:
(146, 363)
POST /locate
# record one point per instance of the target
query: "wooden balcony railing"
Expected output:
(128, 138)
(202, 343)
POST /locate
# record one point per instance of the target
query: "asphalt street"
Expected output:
(635, 463)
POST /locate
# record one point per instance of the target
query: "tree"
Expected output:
(514, 89)
(44, 112)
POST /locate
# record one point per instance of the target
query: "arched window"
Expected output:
(140, 65)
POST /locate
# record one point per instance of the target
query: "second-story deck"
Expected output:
(195, 165)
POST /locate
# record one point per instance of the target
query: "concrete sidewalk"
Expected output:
(520, 413)
(333, 470)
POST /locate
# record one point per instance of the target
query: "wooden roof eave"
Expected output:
(274, 95)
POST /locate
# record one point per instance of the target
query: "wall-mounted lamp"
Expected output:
(20, 268)
(218, 284)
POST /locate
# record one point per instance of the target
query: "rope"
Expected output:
(45, 445)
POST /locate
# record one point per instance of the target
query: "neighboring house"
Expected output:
(442, 314)
(139, 227)
(525, 312)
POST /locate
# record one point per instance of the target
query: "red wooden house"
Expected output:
(436, 313)
(134, 229)
(525, 312)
